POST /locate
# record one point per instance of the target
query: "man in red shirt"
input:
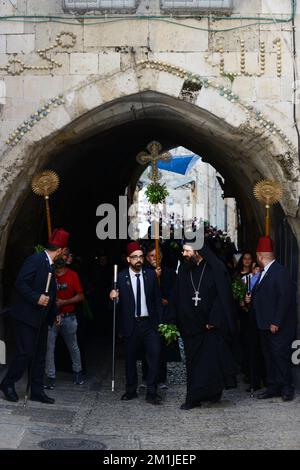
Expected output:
(69, 293)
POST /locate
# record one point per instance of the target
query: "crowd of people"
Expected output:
(178, 285)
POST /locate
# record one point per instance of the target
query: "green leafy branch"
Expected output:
(39, 248)
(169, 332)
(239, 289)
(156, 193)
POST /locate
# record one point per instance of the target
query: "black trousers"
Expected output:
(277, 353)
(253, 364)
(162, 371)
(143, 335)
(29, 342)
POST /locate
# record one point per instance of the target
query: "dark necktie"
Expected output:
(260, 275)
(138, 295)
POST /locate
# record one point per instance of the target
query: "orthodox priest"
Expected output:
(204, 310)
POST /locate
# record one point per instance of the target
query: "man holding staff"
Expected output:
(139, 314)
(32, 312)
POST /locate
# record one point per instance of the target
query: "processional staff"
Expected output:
(269, 193)
(114, 331)
(153, 156)
(44, 184)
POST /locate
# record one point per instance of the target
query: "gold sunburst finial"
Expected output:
(45, 183)
(267, 191)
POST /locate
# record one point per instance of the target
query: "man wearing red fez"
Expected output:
(139, 314)
(33, 310)
(273, 301)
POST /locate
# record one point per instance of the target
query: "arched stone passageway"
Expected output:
(92, 139)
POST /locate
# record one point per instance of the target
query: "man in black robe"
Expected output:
(204, 311)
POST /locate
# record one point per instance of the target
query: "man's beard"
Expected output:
(190, 262)
(137, 266)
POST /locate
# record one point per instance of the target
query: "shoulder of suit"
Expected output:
(278, 266)
(37, 257)
(123, 273)
(149, 272)
(281, 268)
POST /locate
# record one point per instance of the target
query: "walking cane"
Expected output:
(251, 343)
(114, 332)
(35, 347)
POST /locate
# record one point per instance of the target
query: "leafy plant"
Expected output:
(39, 248)
(156, 193)
(239, 289)
(169, 332)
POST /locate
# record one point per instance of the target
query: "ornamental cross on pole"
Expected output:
(153, 156)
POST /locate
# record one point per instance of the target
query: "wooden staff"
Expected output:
(269, 193)
(44, 184)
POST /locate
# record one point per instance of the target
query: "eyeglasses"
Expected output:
(136, 257)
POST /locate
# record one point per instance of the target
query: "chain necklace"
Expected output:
(196, 298)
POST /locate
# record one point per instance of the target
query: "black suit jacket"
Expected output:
(274, 299)
(126, 304)
(30, 284)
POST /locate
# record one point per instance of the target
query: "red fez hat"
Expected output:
(265, 245)
(59, 238)
(133, 246)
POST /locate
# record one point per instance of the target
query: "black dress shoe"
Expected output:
(128, 396)
(188, 406)
(9, 393)
(215, 398)
(266, 394)
(153, 399)
(288, 397)
(42, 398)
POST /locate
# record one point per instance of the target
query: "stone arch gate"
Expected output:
(242, 143)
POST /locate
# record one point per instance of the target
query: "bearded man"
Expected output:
(204, 311)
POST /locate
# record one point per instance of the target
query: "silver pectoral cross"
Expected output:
(196, 298)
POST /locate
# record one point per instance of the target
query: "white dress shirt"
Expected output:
(133, 278)
(264, 272)
(49, 259)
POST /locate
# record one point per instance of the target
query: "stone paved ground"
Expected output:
(92, 412)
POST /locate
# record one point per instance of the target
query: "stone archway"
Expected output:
(244, 145)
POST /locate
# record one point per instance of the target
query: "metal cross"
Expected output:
(196, 298)
(153, 156)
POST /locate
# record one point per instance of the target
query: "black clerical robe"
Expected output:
(210, 361)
